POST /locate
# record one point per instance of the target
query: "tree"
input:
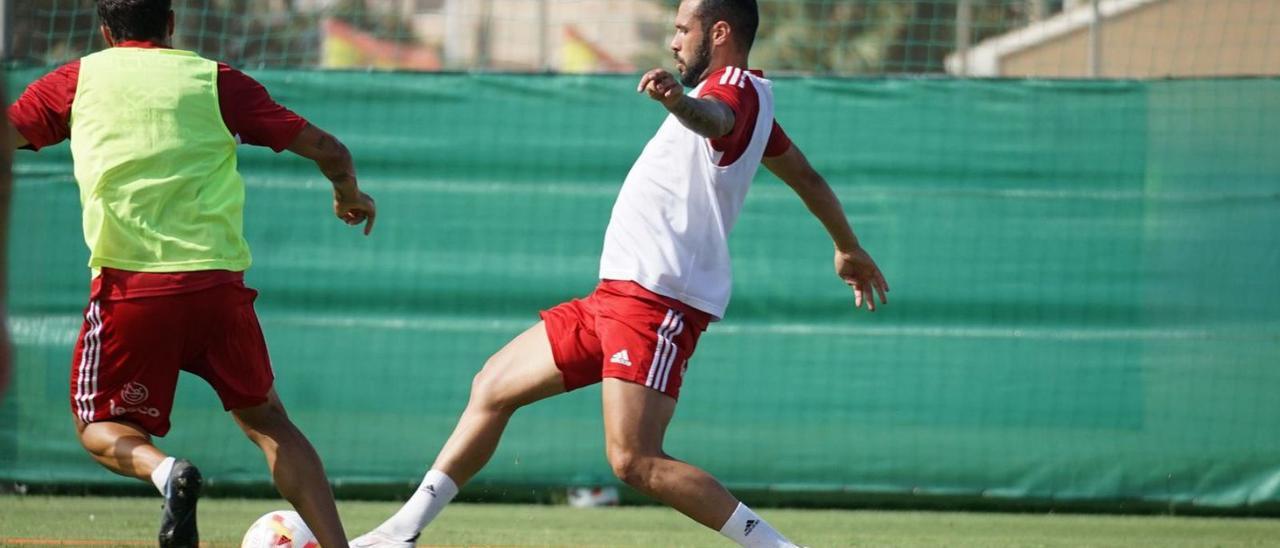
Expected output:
(871, 36)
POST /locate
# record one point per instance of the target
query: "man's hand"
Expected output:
(661, 87)
(334, 160)
(707, 117)
(860, 272)
(853, 264)
(354, 207)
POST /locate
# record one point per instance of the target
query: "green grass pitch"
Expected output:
(100, 521)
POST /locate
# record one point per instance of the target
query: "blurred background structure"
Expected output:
(1009, 38)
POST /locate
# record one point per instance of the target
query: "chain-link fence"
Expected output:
(1016, 38)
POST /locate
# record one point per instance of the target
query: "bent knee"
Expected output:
(105, 437)
(632, 467)
(269, 416)
(488, 387)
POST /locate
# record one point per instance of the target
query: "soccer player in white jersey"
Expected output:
(665, 275)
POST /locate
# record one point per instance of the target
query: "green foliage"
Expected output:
(871, 36)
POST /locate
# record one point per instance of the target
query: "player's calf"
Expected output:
(295, 467)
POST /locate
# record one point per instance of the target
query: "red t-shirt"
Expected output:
(43, 113)
(43, 116)
(745, 102)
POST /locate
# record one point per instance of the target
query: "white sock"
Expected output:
(426, 503)
(747, 529)
(160, 476)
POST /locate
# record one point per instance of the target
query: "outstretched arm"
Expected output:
(334, 160)
(706, 117)
(853, 264)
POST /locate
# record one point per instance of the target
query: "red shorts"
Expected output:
(624, 331)
(129, 352)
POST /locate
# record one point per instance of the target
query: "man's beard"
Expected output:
(693, 70)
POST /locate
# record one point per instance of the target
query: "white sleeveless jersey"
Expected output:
(669, 230)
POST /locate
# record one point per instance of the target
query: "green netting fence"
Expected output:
(1084, 295)
(1083, 263)
(1039, 38)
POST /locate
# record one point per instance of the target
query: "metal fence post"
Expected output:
(544, 41)
(1095, 40)
(964, 33)
(5, 14)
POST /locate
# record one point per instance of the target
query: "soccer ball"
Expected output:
(279, 529)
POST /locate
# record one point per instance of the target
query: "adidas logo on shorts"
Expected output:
(621, 358)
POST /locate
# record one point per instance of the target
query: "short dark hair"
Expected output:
(743, 17)
(136, 19)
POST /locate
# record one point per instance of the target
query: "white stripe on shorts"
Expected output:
(90, 354)
(83, 368)
(671, 356)
(97, 359)
(659, 350)
(664, 353)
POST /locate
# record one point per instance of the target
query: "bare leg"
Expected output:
(126, 449)
(121, 447)
(635, 422)
(295, 467)
(523, 372)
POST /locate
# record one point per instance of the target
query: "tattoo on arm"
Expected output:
(336, 165)
(710, 119)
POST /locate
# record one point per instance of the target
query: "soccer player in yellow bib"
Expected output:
(155, 135)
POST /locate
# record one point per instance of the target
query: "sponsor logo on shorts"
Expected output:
(621, 358)
(751, 526)
(139, 409)
(134, 393)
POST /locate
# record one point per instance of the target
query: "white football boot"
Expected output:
(377, 539)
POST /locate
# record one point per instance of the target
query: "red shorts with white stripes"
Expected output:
(129, 352)
(624, 331)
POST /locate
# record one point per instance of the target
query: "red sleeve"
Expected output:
(730, 86)
(779, 143)
(43, 113)
(251, 114)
